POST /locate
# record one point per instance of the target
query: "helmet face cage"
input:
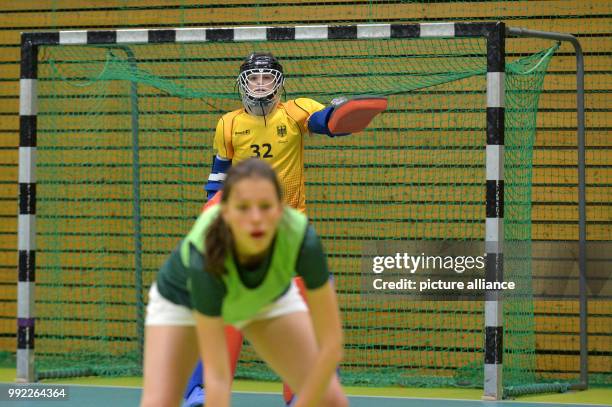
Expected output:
(259, 88)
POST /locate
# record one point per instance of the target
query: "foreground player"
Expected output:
(274, 131)
(236, 267)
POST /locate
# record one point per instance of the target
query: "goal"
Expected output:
(116, 144)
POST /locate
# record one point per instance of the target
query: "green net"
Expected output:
(125, 146)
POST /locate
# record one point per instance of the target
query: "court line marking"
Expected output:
(514, 402)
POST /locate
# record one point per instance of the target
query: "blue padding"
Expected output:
(212, 187)
(195, 380)
(318, 121)
(220, 165)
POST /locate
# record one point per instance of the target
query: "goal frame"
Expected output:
(494, 33)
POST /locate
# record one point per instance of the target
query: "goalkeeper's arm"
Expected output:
(217, 175)
(317, 123)
(345, 116)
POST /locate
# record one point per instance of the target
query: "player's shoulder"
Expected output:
(295, 220)
(307, 104)
(301, 108)
(291, 212)
(229, 119)
(204, 220)
(230, 116)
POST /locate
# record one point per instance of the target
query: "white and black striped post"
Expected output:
(494, 230)
(492, 32)
(26, 223)
(26, 229)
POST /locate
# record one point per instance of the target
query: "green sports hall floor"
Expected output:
(125, 391)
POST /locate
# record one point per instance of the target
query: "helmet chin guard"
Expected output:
(259, 82)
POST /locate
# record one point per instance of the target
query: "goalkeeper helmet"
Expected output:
(260, 80)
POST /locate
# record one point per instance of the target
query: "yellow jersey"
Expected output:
(279, 140)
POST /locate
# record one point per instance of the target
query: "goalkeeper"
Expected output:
(274, 131)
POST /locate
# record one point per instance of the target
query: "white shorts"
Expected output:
(161, 311)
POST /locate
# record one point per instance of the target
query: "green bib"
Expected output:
(242, 303)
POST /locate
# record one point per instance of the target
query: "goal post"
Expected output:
(115, 143)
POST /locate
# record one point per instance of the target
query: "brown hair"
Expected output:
(218, 237)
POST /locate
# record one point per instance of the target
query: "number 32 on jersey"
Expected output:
(262, 150)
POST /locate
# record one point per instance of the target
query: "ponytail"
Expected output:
(218, 242)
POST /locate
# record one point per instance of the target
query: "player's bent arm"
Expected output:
(214, 353)
(217, 175)
(325, 316)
